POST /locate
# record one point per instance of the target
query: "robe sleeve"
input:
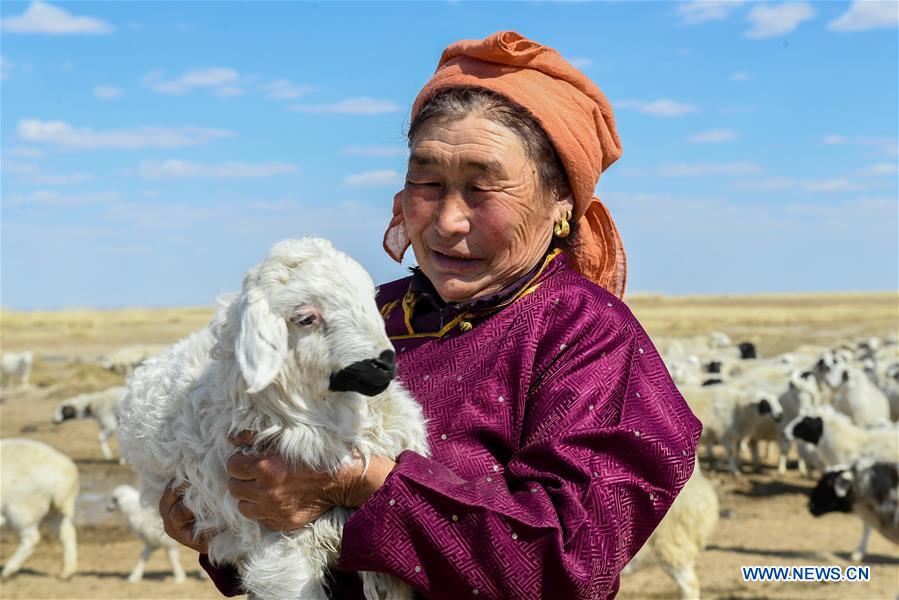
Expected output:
(607, 442)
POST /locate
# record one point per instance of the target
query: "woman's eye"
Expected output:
(424, 183)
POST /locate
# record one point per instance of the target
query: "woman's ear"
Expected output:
(564, 202)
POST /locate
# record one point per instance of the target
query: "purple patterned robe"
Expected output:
(558, 443)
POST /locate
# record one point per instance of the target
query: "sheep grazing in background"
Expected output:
(867, 488)
(124, 360)
(147, 525)
(850, 390)
(300, 357)
(101, 406)
(837, 440)
(729, 415)
(16, 366)
(37, 481)
(679, 539)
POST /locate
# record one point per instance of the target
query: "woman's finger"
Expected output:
(242, 489)
(243, 438)
(242, 466)
(252, 510)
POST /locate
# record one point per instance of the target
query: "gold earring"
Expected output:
(562, 229)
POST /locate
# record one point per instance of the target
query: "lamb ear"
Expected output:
(261, 346)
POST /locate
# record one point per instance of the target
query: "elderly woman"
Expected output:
(558, 438)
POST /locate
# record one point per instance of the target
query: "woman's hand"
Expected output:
(284, 497)
(178, 521)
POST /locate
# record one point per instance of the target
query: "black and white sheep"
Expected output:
(867, 488)
(300, 357)
(36, 481)
(100, 406)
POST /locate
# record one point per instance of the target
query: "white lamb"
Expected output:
(851, 390)
(127, 358)
(16, 366)
(147, 525)
(301, 358)
(36, 481)
(680, 538)
(101, 406)
(729, 415)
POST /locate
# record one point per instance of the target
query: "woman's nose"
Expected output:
(452, 218)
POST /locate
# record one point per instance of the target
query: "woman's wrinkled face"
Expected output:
(473, 207)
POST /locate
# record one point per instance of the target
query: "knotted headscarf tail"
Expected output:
(572, 111)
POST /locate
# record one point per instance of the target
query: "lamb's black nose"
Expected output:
(386, 361)
(369, 377)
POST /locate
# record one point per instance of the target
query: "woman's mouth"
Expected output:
(454, 262)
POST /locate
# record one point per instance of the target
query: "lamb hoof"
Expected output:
(133, 579)
(856, 556)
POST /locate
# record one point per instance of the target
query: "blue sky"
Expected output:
(153, 151)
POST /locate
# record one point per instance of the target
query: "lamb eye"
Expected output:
(305, 319)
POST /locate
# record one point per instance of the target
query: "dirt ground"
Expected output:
(764, 522)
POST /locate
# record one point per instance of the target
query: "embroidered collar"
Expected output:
(431, 313)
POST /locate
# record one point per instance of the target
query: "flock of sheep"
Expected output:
(837, 406)
(38, 482)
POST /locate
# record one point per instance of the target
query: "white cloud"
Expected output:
(351, 106)
(222, 80)
(740, 76)
(107, 92)
(179, 169)
(580, 62)
(372, 178)
(878, 169)
(706, 169)
(55, 199)
(713, 136)
(33, 174)
(700, 11)
(867, 14)
(41, 17)
(24, 152)
(841, 184)
(657, 108)
(374, 150)
(59, 133)
(884, 146)
(772, 21)
(282, 89)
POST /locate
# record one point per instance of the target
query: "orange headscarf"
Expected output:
(572, 111)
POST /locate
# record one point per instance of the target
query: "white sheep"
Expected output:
(850, 390)
(101, 406)
(127, 358)
(300, 357)
(680, 538)
(16, 366)
(729, 415)
(868, 488)
(37, 481)
(147, 525)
